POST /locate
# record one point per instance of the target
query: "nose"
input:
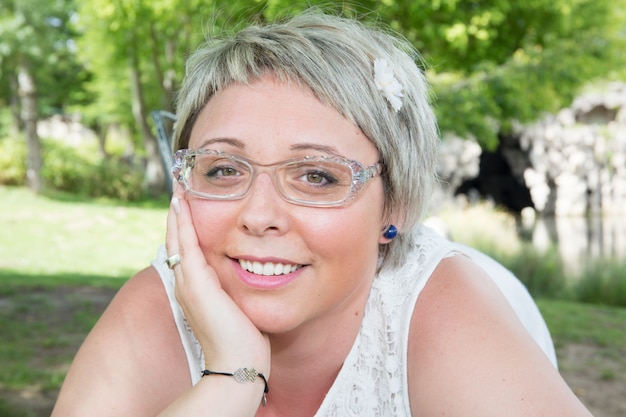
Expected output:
(263, 209)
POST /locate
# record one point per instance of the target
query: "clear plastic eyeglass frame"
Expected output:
(184, 160)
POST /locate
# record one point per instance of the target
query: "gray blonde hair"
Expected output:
(333, 56)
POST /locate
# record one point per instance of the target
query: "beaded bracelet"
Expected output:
(242, 375)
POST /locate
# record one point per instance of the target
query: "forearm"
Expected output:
(218, 395)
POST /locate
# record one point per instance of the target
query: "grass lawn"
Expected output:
(47, 241)
(62, 259)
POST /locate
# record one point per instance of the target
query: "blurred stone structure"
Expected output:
(564, 177)
(577, 158)
(571, 163)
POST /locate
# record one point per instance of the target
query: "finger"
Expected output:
(216, 320)
(193, 260)
(171, 235)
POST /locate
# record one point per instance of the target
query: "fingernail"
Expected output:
(176, 204)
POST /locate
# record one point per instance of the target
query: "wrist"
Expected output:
(242, 376)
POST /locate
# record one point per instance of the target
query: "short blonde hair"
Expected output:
(333, 56)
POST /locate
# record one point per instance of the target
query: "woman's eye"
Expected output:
(228, 172)
(319, 178)
(223, 171)
(314, 178)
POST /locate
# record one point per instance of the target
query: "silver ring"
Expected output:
(172, 261)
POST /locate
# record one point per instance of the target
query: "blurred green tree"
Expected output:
(39, 72)
(491, 62)
(136, 51)
(495, 62)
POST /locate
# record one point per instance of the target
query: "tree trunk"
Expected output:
(28, 98)
(166, 78)
(162, 77)
(14, 104)
(155, 178)
(101, 134)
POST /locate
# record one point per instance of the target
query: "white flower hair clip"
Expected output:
(387, 83)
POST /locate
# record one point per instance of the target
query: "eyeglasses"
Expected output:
(318, 181)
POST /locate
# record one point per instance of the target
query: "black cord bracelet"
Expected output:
(242, 375)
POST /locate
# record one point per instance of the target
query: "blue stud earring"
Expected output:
(391, 232)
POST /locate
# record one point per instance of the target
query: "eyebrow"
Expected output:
(316, 147)
(229, 141)
(330, 150)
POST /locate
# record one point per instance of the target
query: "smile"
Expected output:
(267, 268)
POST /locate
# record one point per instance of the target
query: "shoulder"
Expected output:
(469, 354)
(458, 294)
(139, 310)
(132, 360)
(143, 294)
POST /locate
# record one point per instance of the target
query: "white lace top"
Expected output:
(373, 380)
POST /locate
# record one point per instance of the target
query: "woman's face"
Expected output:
(335, 249)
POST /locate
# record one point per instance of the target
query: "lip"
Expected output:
(265, 282)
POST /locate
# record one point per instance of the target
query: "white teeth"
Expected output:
(268, 268)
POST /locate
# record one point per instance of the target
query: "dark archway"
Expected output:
(496, 182)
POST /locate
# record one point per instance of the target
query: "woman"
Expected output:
(297, 280)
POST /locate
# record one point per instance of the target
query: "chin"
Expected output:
(269, 318)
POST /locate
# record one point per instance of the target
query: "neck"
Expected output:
(305, 364)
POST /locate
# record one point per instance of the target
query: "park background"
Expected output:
(83, 204)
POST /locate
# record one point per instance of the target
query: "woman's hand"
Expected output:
(229, 339)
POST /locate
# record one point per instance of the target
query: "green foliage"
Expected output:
(80, 170)
(7, 409)
(602, 281)
(462, 108)
(572, 322)
(39, 34)
(77, 170)
(5, 118)
(67, 168)
(494, 232)
(492, 63)
(12, 161)
(496, 62)
(541, 272)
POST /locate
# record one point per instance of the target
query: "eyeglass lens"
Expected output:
(310, 179)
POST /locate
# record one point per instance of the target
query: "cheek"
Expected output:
(210, 222)
(351, 235)
(345, 254)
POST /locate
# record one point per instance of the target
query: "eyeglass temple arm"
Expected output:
(164, 142)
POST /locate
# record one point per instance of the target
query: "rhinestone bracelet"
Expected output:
(243, 375)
